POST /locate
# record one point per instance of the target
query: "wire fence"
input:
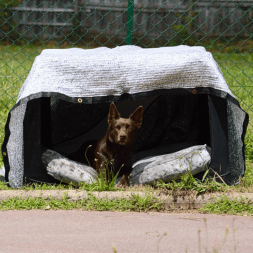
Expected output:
(223, 27)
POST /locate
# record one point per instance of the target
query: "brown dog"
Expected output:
(117, 144)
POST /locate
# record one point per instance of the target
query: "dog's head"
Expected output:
(122, 131)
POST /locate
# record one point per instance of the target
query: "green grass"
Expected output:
(238, 73)
(16, 62)
(227, 206)
(96, 186)
(187, 182)
(186, 186)
(134, 203)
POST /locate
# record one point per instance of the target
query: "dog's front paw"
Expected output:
(124, 181)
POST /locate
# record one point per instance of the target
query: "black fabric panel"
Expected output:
(163, 150)
(204, 124)
(70, 120)
(33, 149)
(168, 120)
(46, 124)
(219, 137)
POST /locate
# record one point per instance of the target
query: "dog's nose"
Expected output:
(122, 137)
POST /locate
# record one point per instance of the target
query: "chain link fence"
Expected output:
(223, 27)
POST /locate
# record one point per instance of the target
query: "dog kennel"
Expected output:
(65, 99)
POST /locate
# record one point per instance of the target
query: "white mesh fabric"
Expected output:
(126, 69)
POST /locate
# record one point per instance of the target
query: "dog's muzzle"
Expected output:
(122, 140)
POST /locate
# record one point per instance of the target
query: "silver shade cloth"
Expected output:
(126, 69)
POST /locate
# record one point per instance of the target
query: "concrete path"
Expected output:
(81, 231)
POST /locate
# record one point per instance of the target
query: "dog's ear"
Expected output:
(137, 116)
(113, 113)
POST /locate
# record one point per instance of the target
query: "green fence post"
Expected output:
(130, 11)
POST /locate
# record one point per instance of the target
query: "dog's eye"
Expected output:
(127, 126)
(117, 127)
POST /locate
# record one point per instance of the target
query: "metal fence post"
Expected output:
(130, 11)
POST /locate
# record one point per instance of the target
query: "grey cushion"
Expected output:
(145, 171)
(67, 170)
(171, 166)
